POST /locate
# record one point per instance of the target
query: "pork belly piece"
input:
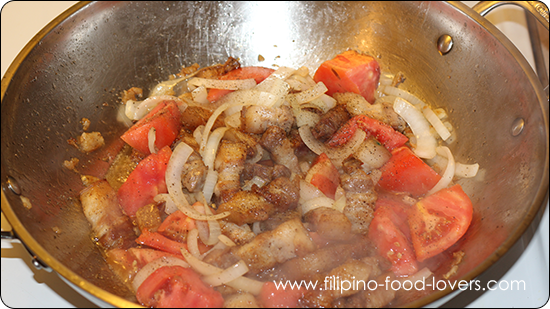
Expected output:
(281, 192)
(194, 116)
(229, 164)
(250, 140)
(330, 122)
(246, 207)
(360, 199)
(281, 148)
(287, 241)
(353, 271)
(111, 227)
(257, 118)
(265, 172)
(194, 173)
(382, 111)
(376, 298)
(240, 300)
(329, 223)
(239, 234)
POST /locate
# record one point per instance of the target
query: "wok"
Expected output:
(77, 66)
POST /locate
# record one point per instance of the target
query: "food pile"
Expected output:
(233, 179)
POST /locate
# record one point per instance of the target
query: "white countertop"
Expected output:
(24, 286)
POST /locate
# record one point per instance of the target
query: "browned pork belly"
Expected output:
(360, 200)
(330, 122)
(110, 226)
(287, 241)
(246, 207)
(281, 192)
(281, 149)
(265, 172)
(329, 223)
(194, 173)
(377, 298)
(257, 118)
(229, 164)
(382, 111)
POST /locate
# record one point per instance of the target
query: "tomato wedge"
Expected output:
(160, 242)
(165, 118)
(145, 182)
(439, 220)
(350, 71)
(176, 223)
(177, 287)
(258, 73)
(324, 175)
(390, 233)
(271, 297)
(406, 172)
(382, 132)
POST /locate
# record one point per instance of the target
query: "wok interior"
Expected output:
(79, 69)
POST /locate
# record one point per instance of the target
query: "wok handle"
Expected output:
(536, 8)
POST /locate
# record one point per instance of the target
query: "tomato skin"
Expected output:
(448, 212)
(258, 73)
(350, 71)
(271, 297)
(176, 222)
(324, 175)
(145, 182)
(165, 118)
(406, 172)
(382, 132)
(160, 242)
(177, 287)
(389, 231)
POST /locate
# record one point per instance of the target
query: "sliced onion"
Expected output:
(466, 170)
(258, 156)
(336, 154)
(229, 274)
(278, 87)
(223, 84)
(441, 113)
(214, 116)
(226, 241)
(425, 141)
(436, 123)
(200, 95)
(324, 102)
(152, 266)
(309, 191)
(316, 203)
(130, 109)
(151, 138)
(211, 149)
(305, 117)
(372, 154)
(340, 203)
(310, 94)
(193, 244)
(233, 121)
(150, 103)
(256, 180)
(169, 206)
(241, 283)
(256, 228)
(386, 79)
(121, 116)
(390, 90)
(449, 171)
(166, 87)
(197, 134)
(214, 229)
(175, 189)
(209, 184)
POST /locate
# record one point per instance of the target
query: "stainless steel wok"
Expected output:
(78, 65)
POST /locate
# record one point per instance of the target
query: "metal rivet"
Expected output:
(517, 126)
(444, 44)
(13, 185)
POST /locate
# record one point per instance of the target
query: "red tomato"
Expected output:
(145, 182)
(160, 242)
(439, 220)
(258, 73)
(405, 172)
(271, 297)
(324, 175)
(384, 133)
(177, 222)
(350, 71)
(388, 230)
(165, 118)
(177, 287)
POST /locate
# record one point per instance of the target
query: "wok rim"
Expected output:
(538, 202)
